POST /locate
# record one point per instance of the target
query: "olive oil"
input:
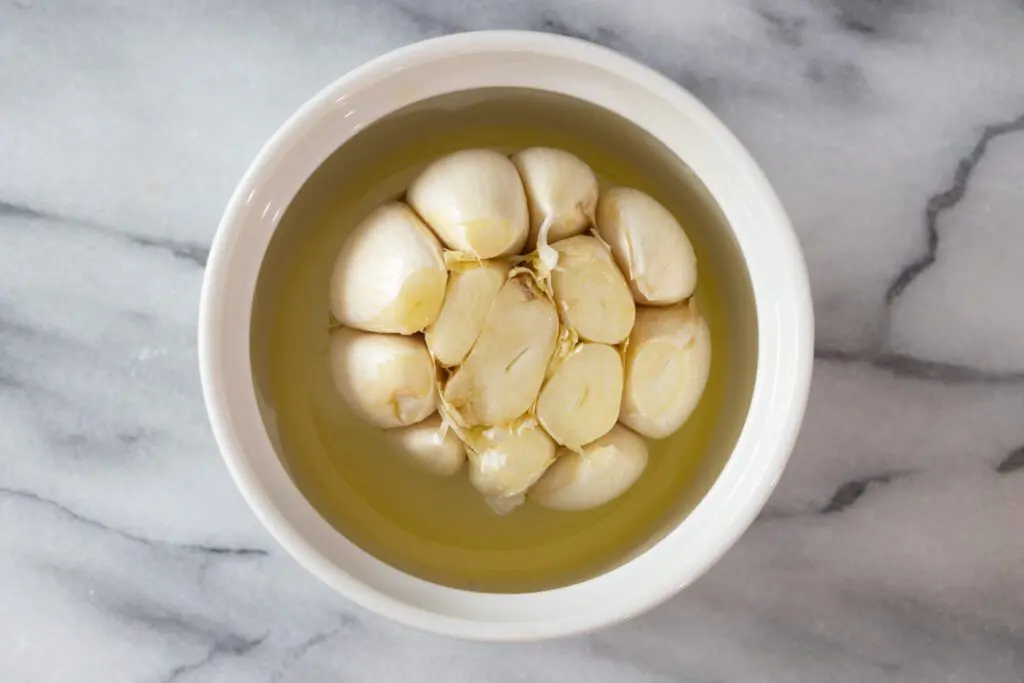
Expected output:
(440, 529)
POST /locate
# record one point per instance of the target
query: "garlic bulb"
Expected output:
(505, 461)
(561, 191)
(387, 379)
(649, 245)
(475, 202)
(430, 446)
(602, 472)
(390, 275)
(668, 360)
(580, 402)
(502, 374)
(592, 295)
(472, 289)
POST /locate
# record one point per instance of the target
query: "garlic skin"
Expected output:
(602, 472)
(472, 290)
(649, 245)
(561, 191)
(503, 373)
(429, 446)
(505, 461)
(388, 380)
(592, 295)
(475, 202)
(580, 402)
(668, 360)
(390, 275)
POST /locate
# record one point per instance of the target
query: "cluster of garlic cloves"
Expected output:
(509, 318)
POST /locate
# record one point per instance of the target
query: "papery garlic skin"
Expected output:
(580, 401)
(472, 290)
(429, 446)
(649, 245)
(474, 200)
(388, 380)
(667, 363)
(503, 373)
(505, 461)
(390, 275)
(603, 471)
(561, 192)
(592, 295)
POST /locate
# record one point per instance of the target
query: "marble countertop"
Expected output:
(893, 548)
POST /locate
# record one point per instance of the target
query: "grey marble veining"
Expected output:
(892, 549)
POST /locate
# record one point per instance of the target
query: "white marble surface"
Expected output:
(893, 549)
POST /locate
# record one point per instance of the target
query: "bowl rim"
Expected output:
(782, 380)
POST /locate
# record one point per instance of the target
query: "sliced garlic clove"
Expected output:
(388, 380)
(390, 274)
(592, 296)
(430, 446)
(601, 473)
(474, 200)
(503, 373)
(649, 245)
(505, 461)
(472, 289)
(580, 402)
(561, 191)
(668, 360)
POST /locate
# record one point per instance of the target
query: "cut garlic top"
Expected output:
(505, 461)
(390, 275)
(472, 289)
(592, 295)
(561, 191)
(602, 472)
(387, 379)
(474, 200)
(649, 245)
(430, 446)
(580, 402)
(668, 360)
(502, 374)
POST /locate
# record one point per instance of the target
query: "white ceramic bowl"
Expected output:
(589, 73)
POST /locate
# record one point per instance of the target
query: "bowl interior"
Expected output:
(440, 529)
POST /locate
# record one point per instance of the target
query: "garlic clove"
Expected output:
(390, 274)
(580, 402)
(505, 461)
(503, 372)
(388, 380)
(667, 361)
(429, 446)
(561, 192)
(649, 245)
(592, 295)
(472, 289)
(603, 471)
(474, 200)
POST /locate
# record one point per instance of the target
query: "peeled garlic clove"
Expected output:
(430, 446)
(561, 190)
(602, 472)
(503, 373)
(580, 402)
(386, 379)
(505, 461)
(474, 201)
(667, 364)
(390, 275)
(472, 289)
(649, 245)
(592, 296)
